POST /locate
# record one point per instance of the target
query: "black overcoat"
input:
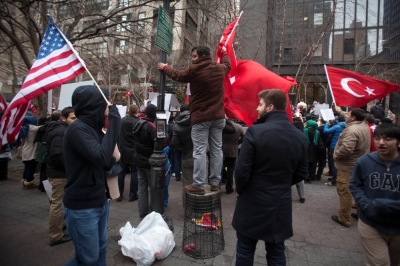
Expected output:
(273, 157)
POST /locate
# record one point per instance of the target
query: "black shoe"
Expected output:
(63, 239)
(336, 219)
(302, 200)
(132, 198)
(318, 178)
(178, 179)
(354, 215)
(308, 180)
(330, 179)
(119, 199)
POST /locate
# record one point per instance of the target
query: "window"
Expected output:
(192, 5)
(204, 20)
(348, 46)
(125, 3)
(123, 26)
(103, 49)
(92, 25)
(121, 46)
(190, 25)
(141, 22)
(94, 6)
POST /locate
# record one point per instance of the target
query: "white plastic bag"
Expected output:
(151, 240)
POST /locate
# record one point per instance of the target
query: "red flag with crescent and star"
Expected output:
(350, 88)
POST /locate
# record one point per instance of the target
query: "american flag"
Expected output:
(56, 63)
(3, 103)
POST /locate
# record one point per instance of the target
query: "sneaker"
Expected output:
(330, 184)
(173, 174)
(194, 190)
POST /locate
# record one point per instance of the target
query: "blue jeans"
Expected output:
(246, 247)
(128, 168)
(88, 230)
(202, 134)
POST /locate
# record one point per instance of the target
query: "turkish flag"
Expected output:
(241, 97)
(245, 80)
(353, 89)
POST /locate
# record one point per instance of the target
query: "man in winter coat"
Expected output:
(88, 154)
(127, 148)
(377, 111)
(182, 139)
(375, 186)
(230, 146)
(334, 131)
(353, 143)
(264, 175)
(144, 134)
(206, 79)
(56, 174)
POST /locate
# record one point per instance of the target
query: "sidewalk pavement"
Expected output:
(317, 239)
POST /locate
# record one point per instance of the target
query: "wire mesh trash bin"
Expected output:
(203, 234)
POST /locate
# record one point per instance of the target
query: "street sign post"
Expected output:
(164, 31)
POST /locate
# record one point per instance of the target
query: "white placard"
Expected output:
(153, 98)
(327, 114)
(66, 93)
(320, 106)
(48, 188)
(122, 110)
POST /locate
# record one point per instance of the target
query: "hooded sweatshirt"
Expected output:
(376, 189)
(182, 135)
(87, 151)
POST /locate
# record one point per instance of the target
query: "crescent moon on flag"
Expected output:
(344, 82)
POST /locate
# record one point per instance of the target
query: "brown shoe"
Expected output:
(194, 190)
(214, 188)
(327, 174)
(336, 219)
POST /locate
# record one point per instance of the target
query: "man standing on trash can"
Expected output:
(207, 113)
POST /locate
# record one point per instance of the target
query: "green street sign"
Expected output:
(164, 31)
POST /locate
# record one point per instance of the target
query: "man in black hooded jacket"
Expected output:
(88, 154)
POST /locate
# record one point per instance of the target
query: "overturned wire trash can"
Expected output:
(203, 234)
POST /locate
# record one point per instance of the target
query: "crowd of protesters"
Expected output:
(202, 148)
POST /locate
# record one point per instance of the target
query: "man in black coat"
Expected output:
(377, 111)
(272, 158)
(144, 135)
(56, 174)
(127, 148)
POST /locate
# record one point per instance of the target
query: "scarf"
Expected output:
(312, 125)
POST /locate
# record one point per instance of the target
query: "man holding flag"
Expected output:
(207, 112)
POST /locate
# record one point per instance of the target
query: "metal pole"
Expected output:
(158, 159)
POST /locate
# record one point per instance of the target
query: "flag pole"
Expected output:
(234, 28)
(79, 58)
(330, 87)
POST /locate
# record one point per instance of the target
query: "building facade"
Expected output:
(299, 38)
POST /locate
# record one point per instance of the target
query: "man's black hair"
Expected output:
(201, 50)
(55, 116)
(358, 113)
(388, 130)
(66, 111)
(386, 121)
(378, 103)
(184, 107)
(369, 118)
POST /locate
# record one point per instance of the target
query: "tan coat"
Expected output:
(29, 148)
(230, 142)
(353, 143)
